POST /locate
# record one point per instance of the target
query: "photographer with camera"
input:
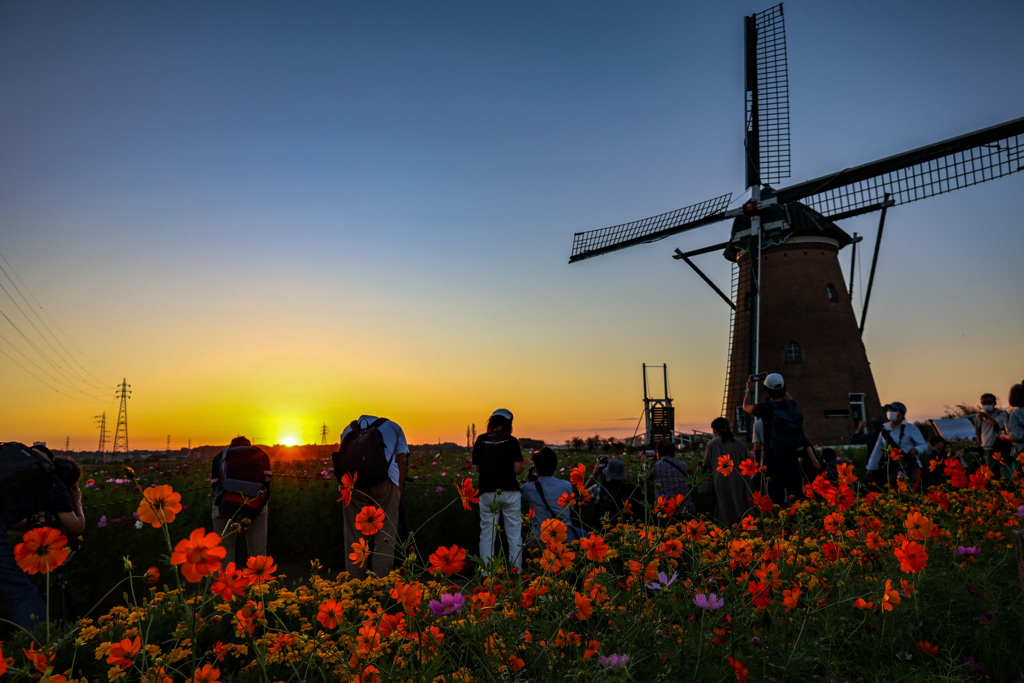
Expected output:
(542, 491)
(53, 492)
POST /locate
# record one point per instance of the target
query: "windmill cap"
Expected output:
(896, 405)
(774, 381)
(501, 412)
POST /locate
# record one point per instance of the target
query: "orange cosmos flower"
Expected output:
(673, 547)
(409, 594)
(749, 468)
(725, 465)
(159, 505)
(874, 540)
(834, 523)
(556, 557)
(229, 582)
(247, 618)
(40, 660)
(467, 493)
(330, 613)
(199, 555)
(348, 484)
(41, 550)
(259, 569)
(890, 597)
(370, 520)
(592, 647)
(121, 653)
(360, 552)
(861, 603)
(790, 598)
(447, 560)
(912, 557)
(578, 475)
(371, 674)
(919, 527)
(739, 669)
(740, 552)
(928, 648)
(151, 576)
(584, 609)
(553, 532)
(206, 674)
(3, 662)
(595, 546)
(566, 499)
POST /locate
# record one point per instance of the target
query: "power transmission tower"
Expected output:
(67, 444)
(168, 443)
(102, 421)
(323, 435)
(121, 433)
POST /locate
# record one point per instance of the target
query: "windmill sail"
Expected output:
(595, 242)
(924, 172)
(767, 98)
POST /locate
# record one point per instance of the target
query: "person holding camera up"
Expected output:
(54, 493)
(542, 491)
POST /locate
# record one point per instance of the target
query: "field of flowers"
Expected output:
(846, 586)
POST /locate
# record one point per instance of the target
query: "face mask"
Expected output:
(893, 415)
(989, 407)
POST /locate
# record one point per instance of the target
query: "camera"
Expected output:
(531, 474)
(602, 461)
(759, 377)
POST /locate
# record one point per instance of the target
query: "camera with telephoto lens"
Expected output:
(602, 462)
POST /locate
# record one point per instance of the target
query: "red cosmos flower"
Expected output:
(759, 594)
(749, 468)
(739, 669)
(861, 603)
(592, 647)
(447, 560)
(890, 597)
(673, 547)
(370, 520)
(3, 662)
(823, 487)
(831, 551)
(763, 502)
(940, 499)
(229, 583)
(199, 555)
(160, 504)
(348, 484)
(874, 540)
(595, 546)
(725, 465)
(834, 523)
(40, 660)
(467, 493)
(121, 653)
(912, 557)
(791, 598)
(247, 618)
(928, 648)
(41, 550)
(919, 527)
(151, 576)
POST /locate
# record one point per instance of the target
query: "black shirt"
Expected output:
(495, 454)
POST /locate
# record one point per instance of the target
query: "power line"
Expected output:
(43, 381)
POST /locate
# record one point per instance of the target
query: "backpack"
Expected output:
(786, 436)
(23, 471)
(362, 452)
(239, 495)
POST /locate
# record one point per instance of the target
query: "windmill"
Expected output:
(791, 310)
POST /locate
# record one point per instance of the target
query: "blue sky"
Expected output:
(271, 216)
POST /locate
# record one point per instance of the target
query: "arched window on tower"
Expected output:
(830, 291)
(793, 352)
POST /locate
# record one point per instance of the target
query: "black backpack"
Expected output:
(23, 471)
(240, 495)
(362, 452)
(786, 436)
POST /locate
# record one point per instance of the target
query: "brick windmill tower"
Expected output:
(792, 312)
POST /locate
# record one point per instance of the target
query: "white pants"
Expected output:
(509, 503)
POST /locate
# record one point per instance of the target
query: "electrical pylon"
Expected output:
(121, 433)
(102, 421)
(323, 435)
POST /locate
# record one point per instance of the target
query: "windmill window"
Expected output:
(793, 352)
(830, 291)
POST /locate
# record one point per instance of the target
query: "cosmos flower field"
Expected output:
(849, 585)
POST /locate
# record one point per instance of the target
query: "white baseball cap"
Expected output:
(501, 412)
(774, 381)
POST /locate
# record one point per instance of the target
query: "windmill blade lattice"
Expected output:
(767, 98)
(595, 242)
(924, 172)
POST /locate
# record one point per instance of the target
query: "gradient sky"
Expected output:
(274, 216)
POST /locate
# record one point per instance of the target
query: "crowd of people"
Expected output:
(783, 461)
